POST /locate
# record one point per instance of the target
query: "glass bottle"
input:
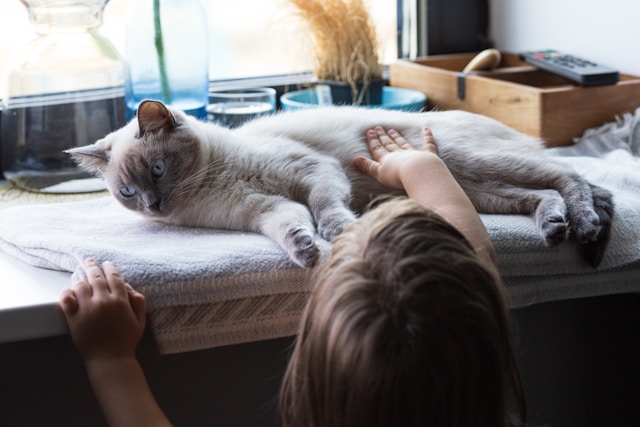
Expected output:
(167, 55)
(64, 88)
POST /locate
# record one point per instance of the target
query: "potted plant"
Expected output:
(345, 49)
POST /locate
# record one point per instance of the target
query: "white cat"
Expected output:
(290, 174)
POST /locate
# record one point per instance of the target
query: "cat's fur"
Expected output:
(290, 175)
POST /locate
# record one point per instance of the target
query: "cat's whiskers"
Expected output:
(198, 179)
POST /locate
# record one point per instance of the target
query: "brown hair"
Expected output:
(406, 326)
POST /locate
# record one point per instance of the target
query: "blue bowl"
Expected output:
(393, 98)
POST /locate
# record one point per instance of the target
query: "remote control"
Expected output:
(581, 71)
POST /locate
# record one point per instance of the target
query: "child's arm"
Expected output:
(123, 393)
(427, 180)
(106, 318)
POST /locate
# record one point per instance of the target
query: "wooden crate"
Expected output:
(533, 101)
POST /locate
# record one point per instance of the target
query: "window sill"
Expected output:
(29, 301)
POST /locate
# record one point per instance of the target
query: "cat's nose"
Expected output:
(155, 206)
(152, 201)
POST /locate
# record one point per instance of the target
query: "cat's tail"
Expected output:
(604, 208)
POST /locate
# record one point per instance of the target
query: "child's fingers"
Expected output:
(383, 137)
(68, 303)
(82, 290)
(138, 304)
(366, 166)
(398, 142)
(95, 276)
(376, 146)
(114, 279)
(428, 141)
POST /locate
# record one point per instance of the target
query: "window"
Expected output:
(249, 38)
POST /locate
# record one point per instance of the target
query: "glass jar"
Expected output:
(167, 55)
(63, 89)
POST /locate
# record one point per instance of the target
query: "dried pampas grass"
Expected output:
(344, 40)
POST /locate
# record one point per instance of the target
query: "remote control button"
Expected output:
(582, 71)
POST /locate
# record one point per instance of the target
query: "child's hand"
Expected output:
(391, 153)
(106, 317)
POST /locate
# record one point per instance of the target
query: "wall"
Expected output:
(43, 383)
(605, 31)
(579, 363)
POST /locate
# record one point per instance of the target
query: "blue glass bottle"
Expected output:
(167, 55)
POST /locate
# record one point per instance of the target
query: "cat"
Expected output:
(290, 175)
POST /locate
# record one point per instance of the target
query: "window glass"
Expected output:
(14, 31)
(249, 38)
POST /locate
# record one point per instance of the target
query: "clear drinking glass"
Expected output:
(64, 88)
(232, 108)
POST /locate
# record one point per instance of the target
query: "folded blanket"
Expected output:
(210, 287)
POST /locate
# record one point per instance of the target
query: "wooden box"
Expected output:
(533, 101)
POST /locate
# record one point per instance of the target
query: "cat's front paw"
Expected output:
(554, 229)
(334, 222)
(551, 219)
(302, 247)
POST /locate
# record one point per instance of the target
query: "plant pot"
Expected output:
(341, 92)
(393, 98)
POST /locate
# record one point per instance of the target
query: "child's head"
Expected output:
(405, 326)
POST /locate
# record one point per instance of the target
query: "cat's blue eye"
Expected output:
(158, 168)
(127, 191)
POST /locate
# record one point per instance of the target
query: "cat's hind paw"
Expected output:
(586, 226)
(604, 208)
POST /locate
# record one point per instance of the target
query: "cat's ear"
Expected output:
(154, 116)
(92, 158)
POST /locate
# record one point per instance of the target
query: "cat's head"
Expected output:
(145, 162)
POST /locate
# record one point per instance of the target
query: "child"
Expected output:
(106, 319)
(407, 323)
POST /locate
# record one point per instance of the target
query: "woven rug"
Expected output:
(13, 195)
